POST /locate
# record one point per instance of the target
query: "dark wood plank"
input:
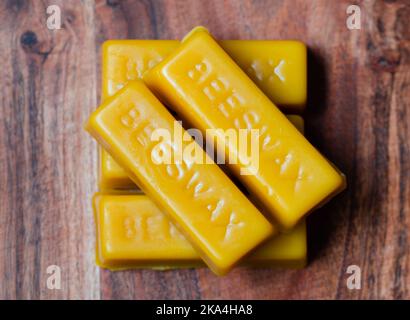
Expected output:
(358, 115)
(48, 163)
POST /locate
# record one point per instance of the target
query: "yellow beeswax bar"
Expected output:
(132, 232)
(208, 90)
(127, 60)
(218, 220)
(123, 61)
(279, 68)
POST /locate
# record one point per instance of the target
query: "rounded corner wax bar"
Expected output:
(132, 232)
(218, 220)
(204, 85)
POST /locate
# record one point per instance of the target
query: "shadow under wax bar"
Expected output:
(218, 220)
(208, 90)
(132, 232)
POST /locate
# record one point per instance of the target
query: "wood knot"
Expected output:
(28, 39)
(388, 61)
(113, 3)
(32, 45)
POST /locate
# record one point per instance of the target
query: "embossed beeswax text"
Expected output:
(267, 70)
(221, 95)
(185, 174)
(148, 227)
(127, 67)
(136, 66)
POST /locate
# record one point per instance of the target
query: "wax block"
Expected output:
(218, 220)
(123, 61)
(277, 67)
(132, 232)
(208, 90)
(127, 60)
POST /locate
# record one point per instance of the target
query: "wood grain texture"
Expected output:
(358, 115)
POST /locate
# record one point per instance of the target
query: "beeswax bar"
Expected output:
(218, 220)
(123, 61)
(128, 60)
(133, 233)
(279, 68)
(207, 89)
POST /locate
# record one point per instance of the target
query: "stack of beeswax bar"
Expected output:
(186, 213)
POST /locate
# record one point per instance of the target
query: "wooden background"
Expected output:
(358, 115)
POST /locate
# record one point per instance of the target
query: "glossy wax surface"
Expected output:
(218, 220)
(278, 67)
(123, 61)
(207, 89)
(132, 232)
